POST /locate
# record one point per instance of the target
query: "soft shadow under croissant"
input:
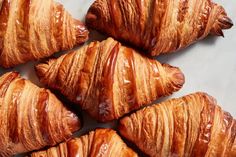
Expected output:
(100, 143)
(191, 126)
(159, 26)
(31, 117)
(108, 79)
(35, 29)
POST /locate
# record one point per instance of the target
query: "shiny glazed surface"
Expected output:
(208, 65)
(103, 77)
(31, 117)
(99, 143)
(158, 26)
(190, 126)
(32, 29)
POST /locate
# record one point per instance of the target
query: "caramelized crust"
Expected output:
(31, 117)
(100, 143)
(159, 26)
(108, 79)
(191, 126)
(33, 29)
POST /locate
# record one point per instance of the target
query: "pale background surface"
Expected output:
(209, 65)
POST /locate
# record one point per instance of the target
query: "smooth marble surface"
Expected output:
(208, 65)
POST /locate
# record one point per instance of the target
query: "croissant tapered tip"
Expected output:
(72, 121)
(175, 78)
(222, 22)
(93, 16)
(123, 126)
(179, 77)
(82, 32)
(225, 22)
(90, 20)
(90, 17)
(41, 69)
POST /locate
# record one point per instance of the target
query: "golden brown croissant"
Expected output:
(108, 79)
(33, 29)
(100, 143)
(159, 26)
(31, 117)
(191, 126)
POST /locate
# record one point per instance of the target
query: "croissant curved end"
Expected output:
(125, 126)
(41, 69)
(92, 16)
(82, 32)
(222, 22)
(72, 121)
(175, 76)
(225, 22)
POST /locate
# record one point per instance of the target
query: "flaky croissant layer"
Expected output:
(159, 26)
(108, 79)
(98, 143)
(31, 117)
(34, 29)
(191, 126)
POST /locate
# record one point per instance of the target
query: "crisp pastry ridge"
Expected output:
(108, 79)
(101, 142)
(158, 26)
(193, 125)
(33, 29)
(31, 117)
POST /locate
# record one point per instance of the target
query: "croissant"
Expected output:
(33, 29)
(108, 79)
(191, 126)
(100, 143)
(158, 26)
(31, 117)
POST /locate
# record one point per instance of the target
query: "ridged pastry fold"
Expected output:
(108, 79)
(193, 125)
(35, 29)
(31, 117)
(101, 143)
(158, 26)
